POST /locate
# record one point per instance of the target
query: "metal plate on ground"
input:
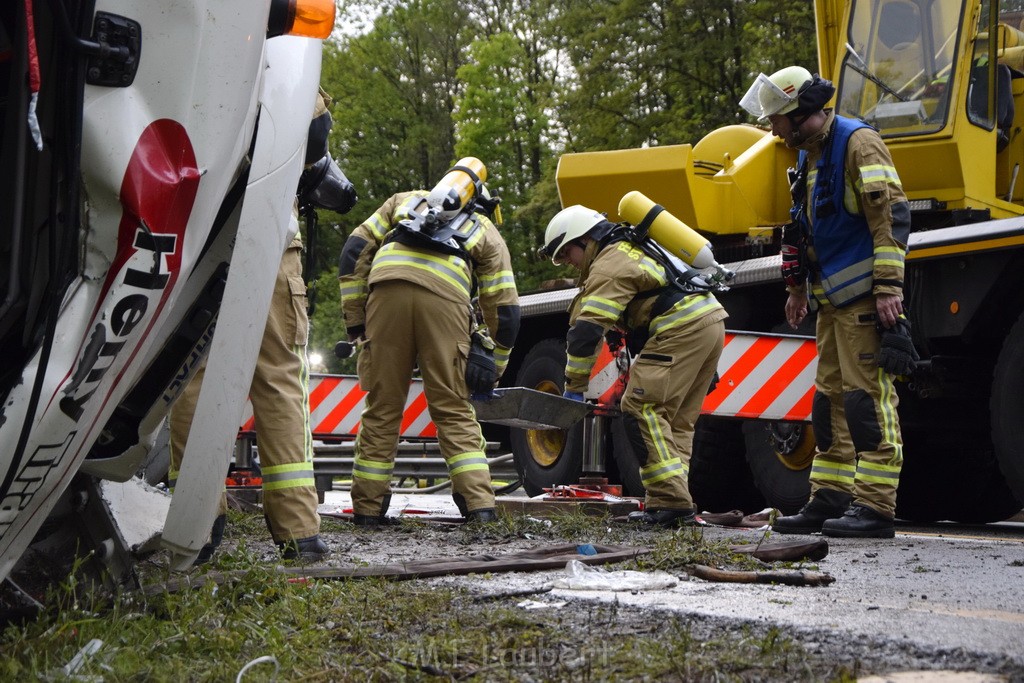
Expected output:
(530, 409)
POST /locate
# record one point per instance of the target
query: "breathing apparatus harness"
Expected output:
(681, 276)
(433, 230)
(445, 226)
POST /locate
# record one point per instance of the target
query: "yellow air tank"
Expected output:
(456, 188)
(675, 236)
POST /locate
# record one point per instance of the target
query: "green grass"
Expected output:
(380, 630)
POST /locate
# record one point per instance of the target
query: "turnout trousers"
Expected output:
(667, 385)
(860, 448)
(280, 402)
(406, 325)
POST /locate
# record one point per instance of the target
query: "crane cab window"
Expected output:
(997, 58)
(899, 57)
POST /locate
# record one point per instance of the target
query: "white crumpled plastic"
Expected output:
(583, 577)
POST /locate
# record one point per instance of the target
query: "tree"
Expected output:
(679, 70)
(502, 119)
(394, 89)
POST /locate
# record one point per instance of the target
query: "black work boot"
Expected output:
(664, 518)
(379, 520)
(216, 536)
(482, 516)
(824, 504)
(860, 521)
(309, 549)
(373, 520)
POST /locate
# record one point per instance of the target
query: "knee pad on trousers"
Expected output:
(821, 420)
(863, 421)
(635, 436)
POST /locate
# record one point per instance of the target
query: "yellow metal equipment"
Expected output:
(943, 83)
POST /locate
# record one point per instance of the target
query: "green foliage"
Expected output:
(679, 70)
(517, 83)
(326, 326)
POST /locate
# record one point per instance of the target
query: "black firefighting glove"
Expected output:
(481, 370)
(794, 263)
(898, 355)
(792, 267)
(615, 339)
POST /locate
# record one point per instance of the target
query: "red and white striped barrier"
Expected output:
(761, 376)
(770, 377)
(336, 404)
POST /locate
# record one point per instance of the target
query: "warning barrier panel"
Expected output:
(761, 376)
(336, 404)
(764, 376)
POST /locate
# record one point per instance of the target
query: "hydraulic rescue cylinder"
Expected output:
(595, 427)
(456, 188)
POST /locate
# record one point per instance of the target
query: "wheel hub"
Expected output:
(546, 444)
(793, 443)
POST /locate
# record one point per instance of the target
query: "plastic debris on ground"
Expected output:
(537, 604)
(579, 576)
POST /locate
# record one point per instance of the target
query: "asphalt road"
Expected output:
(934, 588)
(944, 588)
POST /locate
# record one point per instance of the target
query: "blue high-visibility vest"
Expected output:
(842, 240)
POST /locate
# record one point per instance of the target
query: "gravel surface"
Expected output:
(929, 600)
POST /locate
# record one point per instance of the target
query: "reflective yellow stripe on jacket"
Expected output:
(683, 311)
(495, 282)
(448, 268)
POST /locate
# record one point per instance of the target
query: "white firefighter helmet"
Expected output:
(776, 94)
(567, 225)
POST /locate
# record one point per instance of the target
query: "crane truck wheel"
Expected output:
(720, 479)
(1006, 406)
(780, 453)
(948, 474)
(623, 465)
(780, 456)
(546, 457)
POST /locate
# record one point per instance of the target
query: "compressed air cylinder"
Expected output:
(456, 188)
(675, 236)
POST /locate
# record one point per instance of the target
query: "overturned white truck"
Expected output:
(149, 159)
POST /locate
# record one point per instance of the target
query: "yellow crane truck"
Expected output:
(943, 82)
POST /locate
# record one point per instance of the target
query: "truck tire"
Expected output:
(781, 474)
(1006, 406)
(946, 478)
(623, 466)
(779, 454)
(720, 479)
(546, 457)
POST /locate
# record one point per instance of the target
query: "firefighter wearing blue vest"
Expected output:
(843, 255)
(409, 274)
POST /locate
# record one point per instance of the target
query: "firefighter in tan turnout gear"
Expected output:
(409, 275)
(843, 254)
(677, 336)
(280, 385)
